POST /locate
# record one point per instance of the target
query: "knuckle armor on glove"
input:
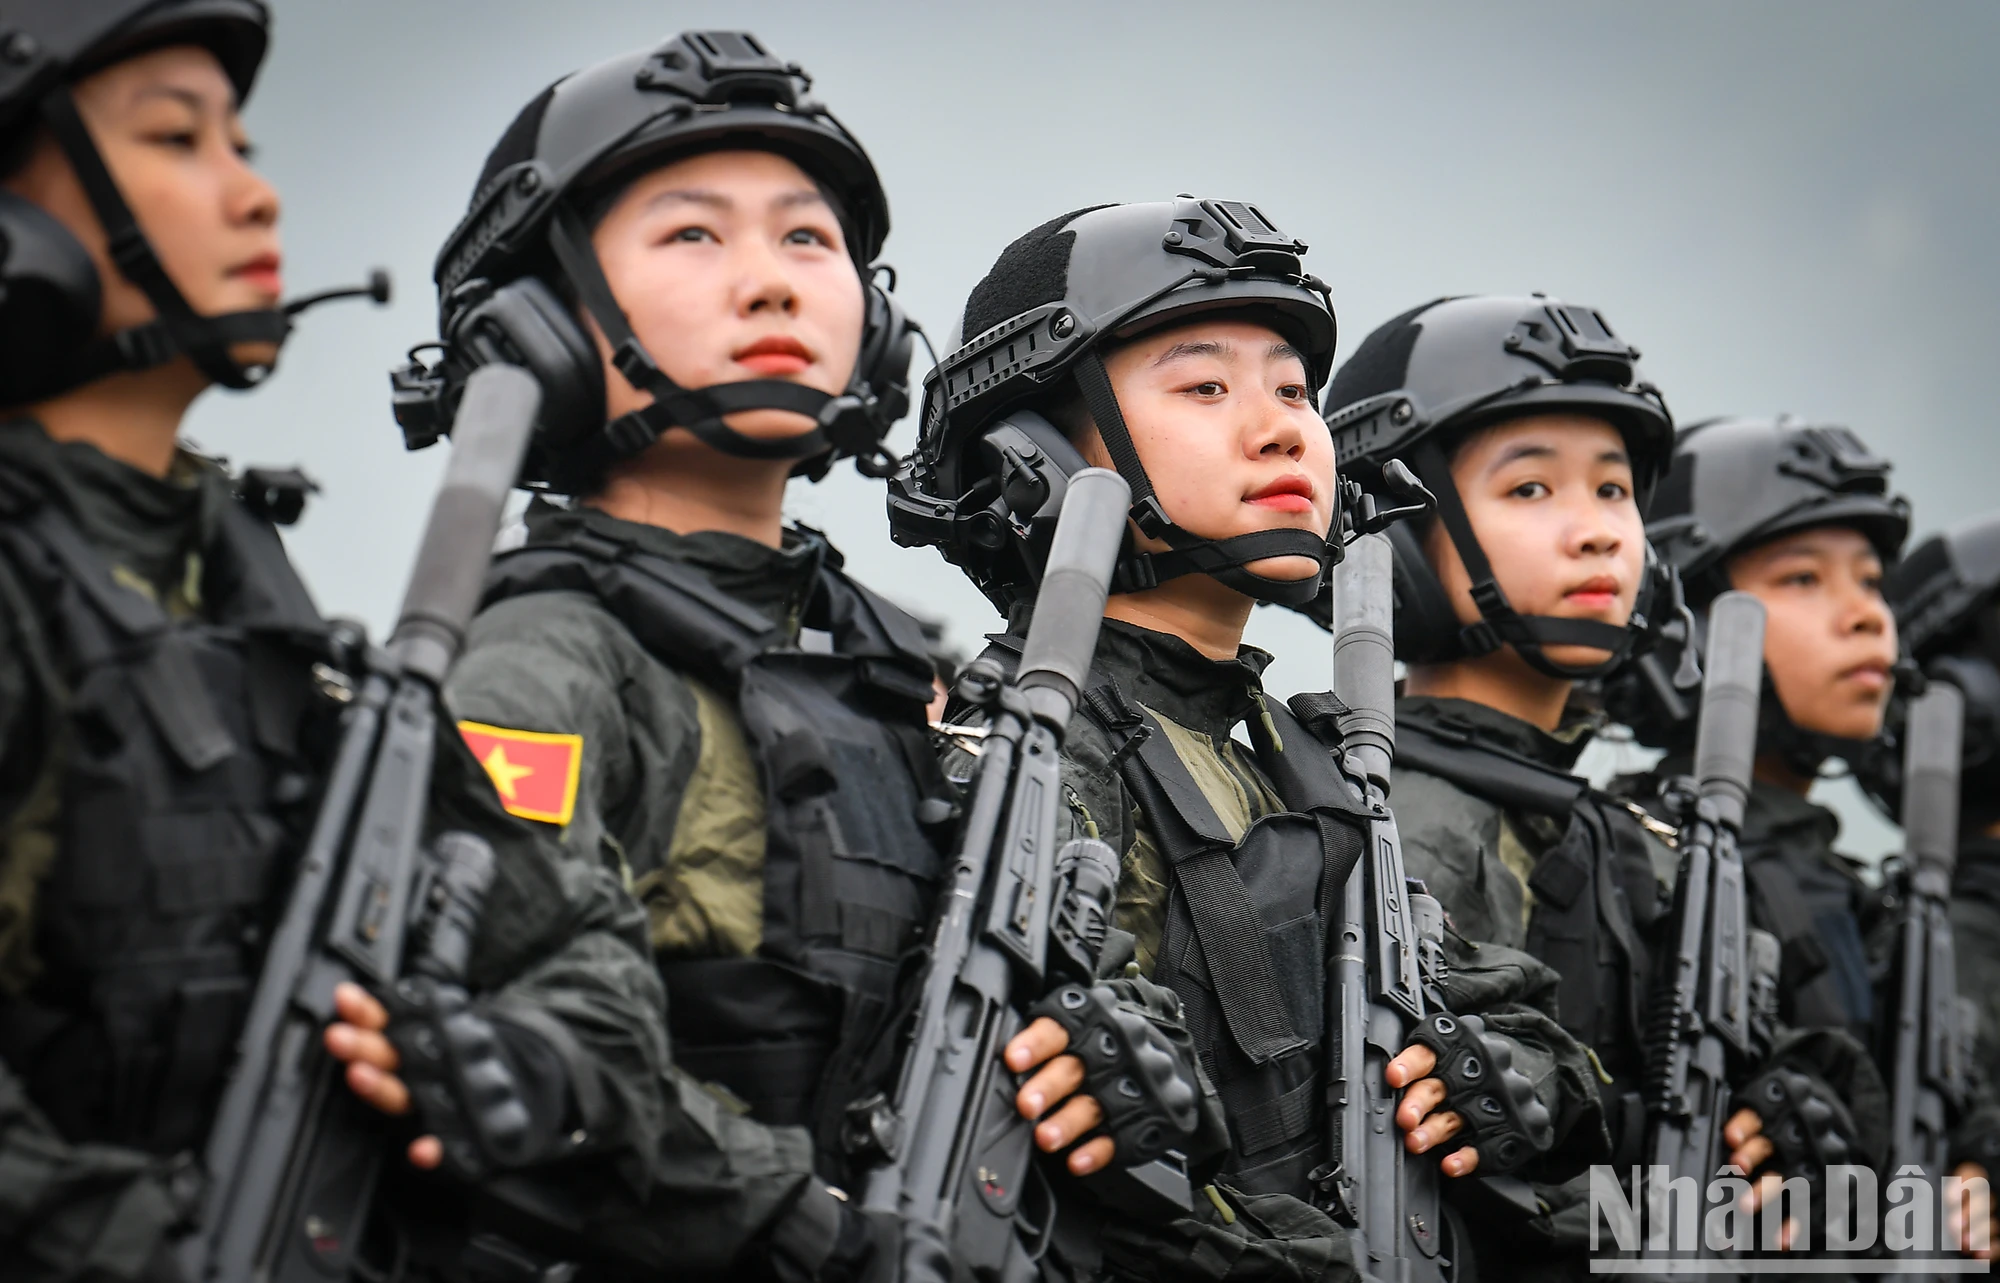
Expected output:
(464, 1089)
(1808, 1126)
(1503, 1117)
(1148, 1100)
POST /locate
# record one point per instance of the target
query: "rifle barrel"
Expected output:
(1934, 735)
(1726, 738)
(1364, 653)
(494, 423)
(1069, 606)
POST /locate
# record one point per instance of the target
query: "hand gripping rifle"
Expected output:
(1704, 1020)
(294, 1156)
(955, 1154)
(1386, 958)
(1927, 1071)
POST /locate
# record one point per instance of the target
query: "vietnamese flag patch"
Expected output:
(534, 772)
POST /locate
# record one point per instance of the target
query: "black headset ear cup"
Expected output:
(50, 300)
(883, 367)
(1426, 625)
(524, 323)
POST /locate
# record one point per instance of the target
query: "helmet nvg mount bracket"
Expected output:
(1421, 382)
(990, 469)
(51, 300)
(525, 240)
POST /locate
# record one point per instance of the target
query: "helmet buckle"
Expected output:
(635, 363)
(1151, 517)
(1487, 596)
(1479, 638)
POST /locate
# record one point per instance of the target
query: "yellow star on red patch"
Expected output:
(534, 772)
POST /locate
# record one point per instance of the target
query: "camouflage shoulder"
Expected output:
(1439, 822)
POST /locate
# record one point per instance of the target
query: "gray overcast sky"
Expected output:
(1788, 205)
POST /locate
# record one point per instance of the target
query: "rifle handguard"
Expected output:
(1148, 1100)
(1503, 1117)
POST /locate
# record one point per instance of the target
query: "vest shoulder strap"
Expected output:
(670, 608)
(885, 640)
(254, 581)
(1305, 767)
(1506, 779)
(1199, 847)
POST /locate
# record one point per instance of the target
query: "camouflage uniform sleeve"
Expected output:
(562, 955)
(1452, 841)
(717, 1189)
(560, 663)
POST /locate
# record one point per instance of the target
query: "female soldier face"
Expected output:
(731, 266)
(1829, 638)
(166, 124)
(1222, 417)
(1550, 498)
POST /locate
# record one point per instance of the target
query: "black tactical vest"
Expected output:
(1811, 905)
(184, 784)
(1596, 895)
(854, 805)
(1244, 944)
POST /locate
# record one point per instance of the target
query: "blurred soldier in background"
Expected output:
(1529, 420)
(1800, 516)
(163, 721)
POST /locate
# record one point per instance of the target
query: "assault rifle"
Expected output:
(1928, 1028)
(1385, 958)
(294, 1156)
(1705, 1018)
(955, 1156)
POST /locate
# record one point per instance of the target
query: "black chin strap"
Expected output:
(841, 422)
(205, 340)
(1499, 623)
(1190, 554)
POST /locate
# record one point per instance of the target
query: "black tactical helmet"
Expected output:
(1946, 595)
(1737, 483)
(524, 247)
(1421, 382)
(990, 469)
(50, 296)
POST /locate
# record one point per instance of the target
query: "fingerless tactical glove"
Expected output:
(1503, 1116)
(494, 1094)
(1808, 1124)
(1147, 1095)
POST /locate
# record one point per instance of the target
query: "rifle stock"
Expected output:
(1378, 969)
(956, 1157)
(1701, 1022)
(293, 1157)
